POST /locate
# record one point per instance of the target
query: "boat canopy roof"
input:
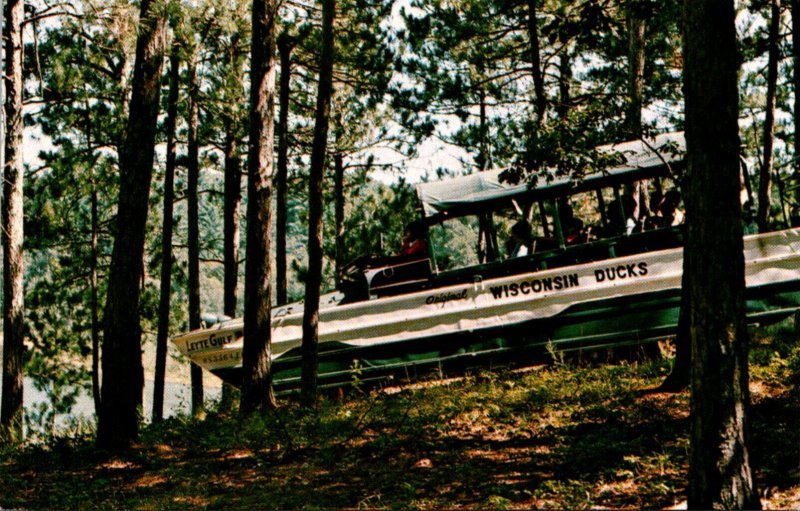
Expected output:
(487, 191)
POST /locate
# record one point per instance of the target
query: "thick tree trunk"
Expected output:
(256, 354)
(11, 409)
(314, 277)
(285, 45)
(765, 177)
(720, 476)
(192, 179)
(166, 240)
(123, 377)
(233, 200)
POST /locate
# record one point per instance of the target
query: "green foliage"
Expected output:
(70, 200)
(471, 61)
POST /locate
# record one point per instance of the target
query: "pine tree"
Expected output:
(257, 391)
(12, 220)
(720, 476)
(166, 238)
(765, 173)
(122, 359)
(318, 154)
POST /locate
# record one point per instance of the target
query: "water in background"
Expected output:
(177, 400)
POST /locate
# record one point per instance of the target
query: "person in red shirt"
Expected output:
(414, 242)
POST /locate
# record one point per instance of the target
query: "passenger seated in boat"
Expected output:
(410, 262)
(652, 219)
(621, 220)
(413, 248)
(521, 242)
(669, 210)
(571, 226)
(414, 240)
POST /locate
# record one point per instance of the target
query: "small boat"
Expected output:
(614, 283)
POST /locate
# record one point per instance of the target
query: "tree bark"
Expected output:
(123, 377)
(318, 150)
(93, 279)
(166, 240)
(795, 7)
(636, 26)
(93, 283)
(233, 200)
(339, 206)
(285, 45)
(11, 409)
(765, 177)
(540, 101)
(192, 178)
(564, 81)
(256, 354)
(720, 476)
(485, 252)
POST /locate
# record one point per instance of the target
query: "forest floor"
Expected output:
(564, 435)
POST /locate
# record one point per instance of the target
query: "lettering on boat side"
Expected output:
(535, 286)
(566, 281)
(216, 358)
(446, 297)
(215, 341)
(623, 271)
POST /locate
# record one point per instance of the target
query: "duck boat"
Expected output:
(407, 316)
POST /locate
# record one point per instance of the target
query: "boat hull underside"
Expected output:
(602, 324)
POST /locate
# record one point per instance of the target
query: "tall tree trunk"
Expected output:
(124, 103)
(13, 293)
(339, 204)
(314, 277)
(257, 391)
(540, 101)
(93, 281)
(636, 24)
(720, 476)
(166, 239)
(285, 44)
(123, 376)
(765, 177)
(233, 200)
(795, 6)
(564, 81)
(484, 222)
(192, 178)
